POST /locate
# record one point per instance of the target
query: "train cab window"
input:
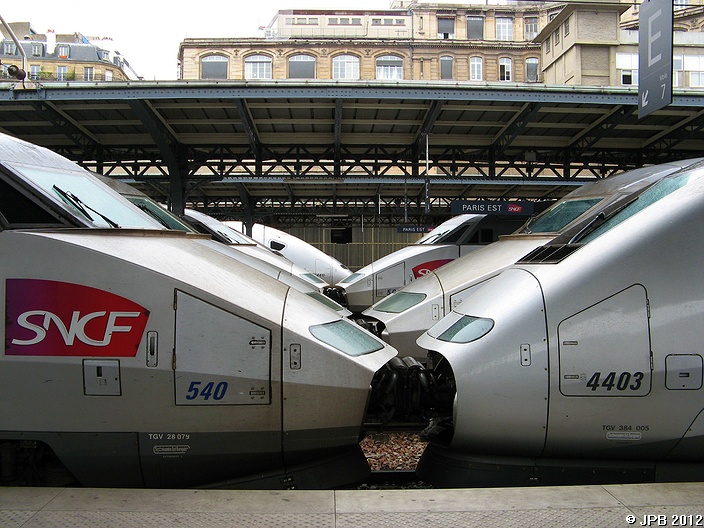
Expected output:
(19, 211)
(559, 215)
(487, 236)
(327, 301)
(276, 245)
(651, 195)
(482, 236)
(87, 197)
(161, 215)
(346, 337)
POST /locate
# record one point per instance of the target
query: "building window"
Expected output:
(696, 79)
(680, 4)
(446, 28)
(475, 28)
(531, 27)
(389, 67)
(63, 51)
(446, 67)
(213, 67)
(88, 73)
(546, 45)
(556, 37)
(345, 67)
(62, 73)
(505, 69)
(532, 69)
(108, 75)
(301, 67)
(37, 49)
(385, 22)
(504, 28)
(566, 27)
(627, 67)
(475, 69)
(9, 48)
(34, 70)
(257, 67)
(694, 64)
(677, 71)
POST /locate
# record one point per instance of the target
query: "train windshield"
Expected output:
(160, 214)
(88, 197)
(400, 302)
(346, 337)
(559, 215)
(327, 301)
(447, 234)
(646, 198)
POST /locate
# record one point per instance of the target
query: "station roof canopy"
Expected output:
(312, 148)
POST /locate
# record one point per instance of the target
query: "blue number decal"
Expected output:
(210, 389)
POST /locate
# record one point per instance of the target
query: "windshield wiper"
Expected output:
(76, 202)
(525, 228)
(599, 220)
(144, 207)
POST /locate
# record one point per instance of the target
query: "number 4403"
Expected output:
(622, 381)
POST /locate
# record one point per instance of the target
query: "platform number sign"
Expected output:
(655, 56)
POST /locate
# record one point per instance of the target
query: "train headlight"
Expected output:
(400, 302)
(463, 330)
(347, 337)
(352, 278)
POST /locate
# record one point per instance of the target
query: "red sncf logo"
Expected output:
(51, 318)
(427, 267)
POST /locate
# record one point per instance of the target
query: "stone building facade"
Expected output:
(597, 45)
(593, 43)
(489, 42)
(61, 57)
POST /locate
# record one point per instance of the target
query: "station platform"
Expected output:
(672, 504)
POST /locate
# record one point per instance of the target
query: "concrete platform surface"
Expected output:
(637, 505)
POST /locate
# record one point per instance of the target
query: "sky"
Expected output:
(148, 33)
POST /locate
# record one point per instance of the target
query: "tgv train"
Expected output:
(282, 268)
(148, 357)
(451, 239)
(404, 315)
(227, 235)
(297, 251)
(233, 243)
(582, 362)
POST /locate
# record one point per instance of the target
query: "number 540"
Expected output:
(209, 390)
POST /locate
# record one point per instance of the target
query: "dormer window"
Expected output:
(62, 50)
